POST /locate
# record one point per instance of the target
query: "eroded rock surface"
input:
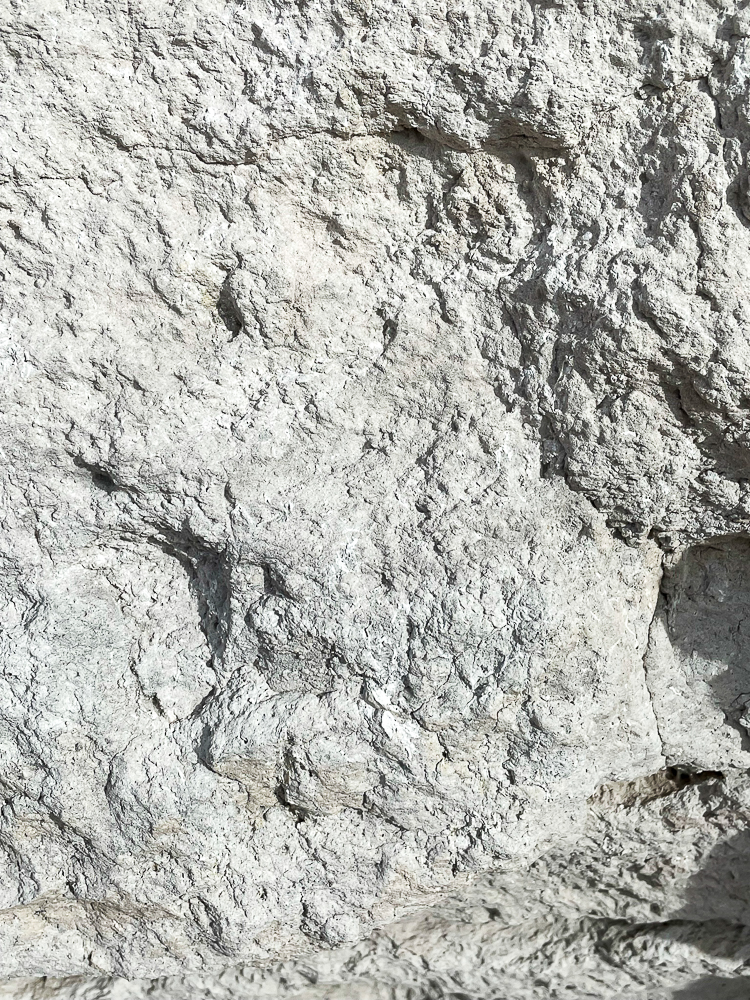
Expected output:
(376, 498)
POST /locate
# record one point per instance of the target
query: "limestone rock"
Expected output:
(375, 497)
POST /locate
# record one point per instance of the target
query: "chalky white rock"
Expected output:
(375, 499)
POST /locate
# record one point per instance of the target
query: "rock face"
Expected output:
(375, 527)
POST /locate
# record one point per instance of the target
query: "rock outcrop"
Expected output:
(375, 530)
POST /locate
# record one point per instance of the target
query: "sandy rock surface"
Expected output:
(375, 591)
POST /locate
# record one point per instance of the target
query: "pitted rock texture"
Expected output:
(650, 902)
(375, 496)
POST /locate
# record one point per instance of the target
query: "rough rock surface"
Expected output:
(375, 526)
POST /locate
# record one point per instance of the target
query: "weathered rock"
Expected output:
(376, 490)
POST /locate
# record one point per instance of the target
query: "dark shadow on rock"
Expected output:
(228, 310)
(208, 574)
(721, 889)
(715, 917)
(705, 606)
(715, 988)
(706, 602)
